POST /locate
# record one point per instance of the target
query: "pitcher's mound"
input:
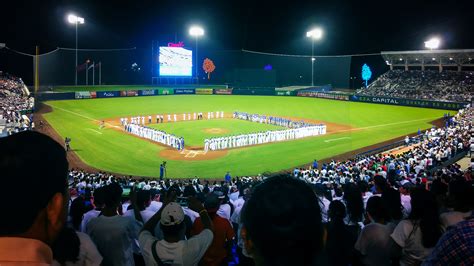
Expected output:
(216, 130)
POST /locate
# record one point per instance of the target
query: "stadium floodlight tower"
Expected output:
(432, 43)
(73, 19)
(196, 31)
(314, 34)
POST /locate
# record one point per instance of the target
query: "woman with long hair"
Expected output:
(415, 237)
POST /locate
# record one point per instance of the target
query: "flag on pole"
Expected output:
(82, 67)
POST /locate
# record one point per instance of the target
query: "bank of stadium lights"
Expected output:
(76, 20)
(432, 43)
(73, 19)
(314, 34)
(196, 32)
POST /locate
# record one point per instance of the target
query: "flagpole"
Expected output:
(87, 72)
(93, 73)
(100, 73)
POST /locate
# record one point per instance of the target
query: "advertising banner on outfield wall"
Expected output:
(128, 93)
(163, 91)
(204, 91)
(408, 102)
(83, 95)
(223, 91)
(184, 91)
(93, 94)
(285, 93)
(108, 94)
(147, 92)
(315, 94)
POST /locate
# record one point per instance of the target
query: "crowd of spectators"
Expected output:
(14, 98)
(375, 210)
(448, 85)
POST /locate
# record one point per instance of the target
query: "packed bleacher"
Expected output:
(14, 99)
(448, 85)
(407, 208)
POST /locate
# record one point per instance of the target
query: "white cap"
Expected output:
(172, 214)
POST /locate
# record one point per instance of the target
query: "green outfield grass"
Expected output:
(111, 150)
(128, 87)
(195, 131)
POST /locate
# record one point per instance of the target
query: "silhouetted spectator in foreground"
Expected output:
(37, 164)
(282, 223)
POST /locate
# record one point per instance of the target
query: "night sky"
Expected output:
(350, 27)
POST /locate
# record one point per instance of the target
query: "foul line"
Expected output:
(98, 132)
(329, 140)
(83, 116)
(384, 125)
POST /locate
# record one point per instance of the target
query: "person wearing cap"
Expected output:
(172, 250)
(34, 218)
(223, 232)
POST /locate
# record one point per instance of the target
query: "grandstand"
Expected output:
(455, 86)
(15, 102)
(423, 59)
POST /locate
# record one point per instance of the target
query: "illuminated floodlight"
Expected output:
(416, 59)
(433, 58)
(432, 43)
(451, 58)
(196, 31)
(73, 19)
(316, 33)
(313, 59)
(401, 59)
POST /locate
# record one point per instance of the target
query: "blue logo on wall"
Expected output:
(267, 67)
(366, 73)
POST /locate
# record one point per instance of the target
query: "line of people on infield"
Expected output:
(271, 120)
(143, 120)
(155, 135)
(222, 143)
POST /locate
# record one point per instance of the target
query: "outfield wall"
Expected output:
(252, 91)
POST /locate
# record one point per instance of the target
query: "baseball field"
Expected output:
(350, 126)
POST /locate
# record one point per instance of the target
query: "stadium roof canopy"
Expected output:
(423, 58)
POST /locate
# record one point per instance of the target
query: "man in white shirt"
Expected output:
(155, 204)
(171, 250)
(114, 235)
(99, 204)
(405, 196)
(143, 201)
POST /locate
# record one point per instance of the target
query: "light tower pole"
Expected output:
(314, 34)
(73, 19)
(196, 31)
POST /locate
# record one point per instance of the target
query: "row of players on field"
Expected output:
(296, 130)
(263, 137)
(155, 135)
(278, 121)
(142, 120)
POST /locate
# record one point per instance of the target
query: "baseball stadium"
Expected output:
(247, 148)
(93, 116)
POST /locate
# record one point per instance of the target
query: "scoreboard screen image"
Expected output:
(175, 62)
